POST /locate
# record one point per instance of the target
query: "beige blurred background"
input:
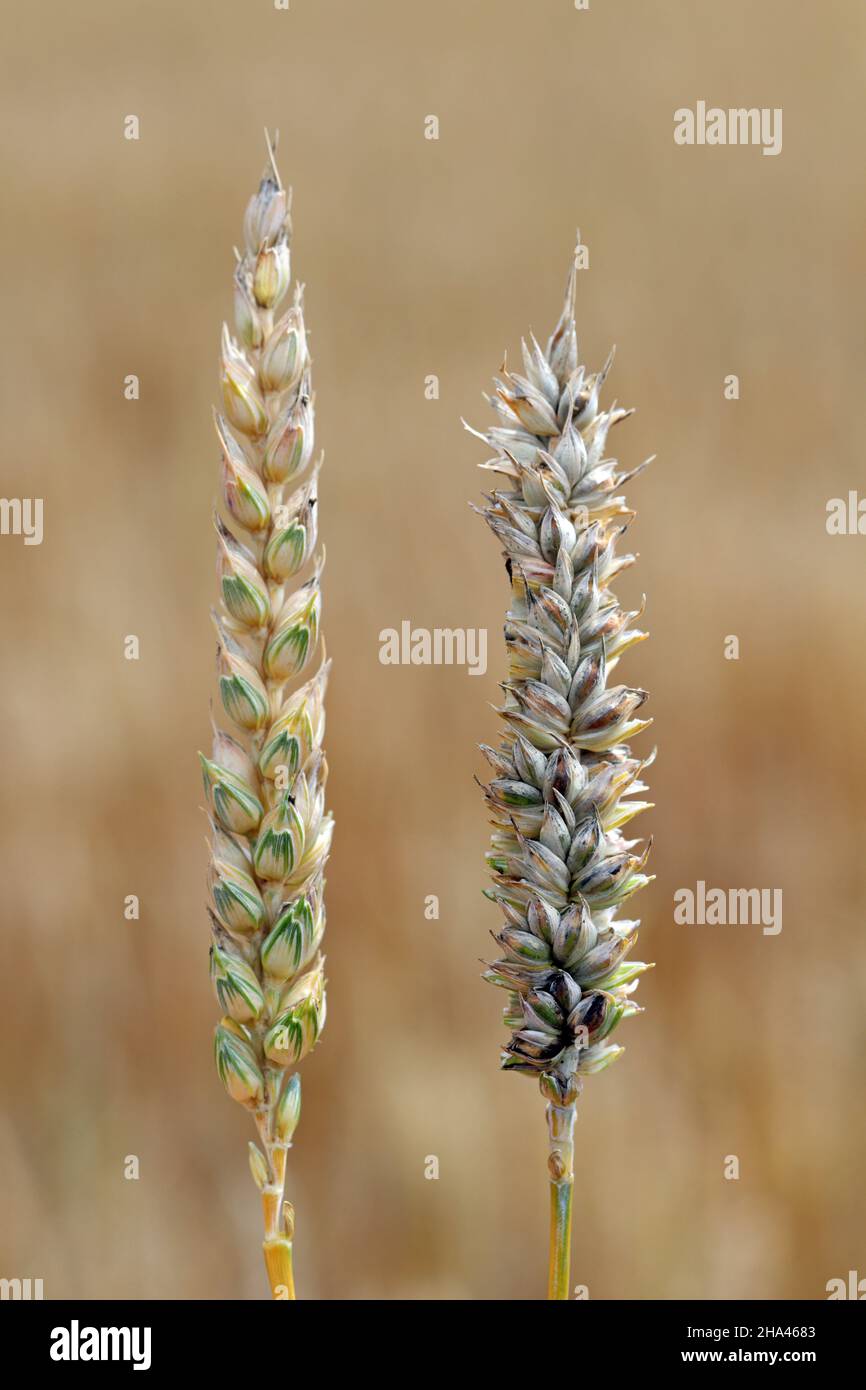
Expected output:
(432, 257)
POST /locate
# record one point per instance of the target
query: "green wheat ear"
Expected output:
(265, 786)
(564, 779)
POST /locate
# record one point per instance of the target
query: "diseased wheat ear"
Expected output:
(565, 783)
(265, 785)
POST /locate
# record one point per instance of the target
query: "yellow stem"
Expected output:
(278, 1262)
(277, 1215)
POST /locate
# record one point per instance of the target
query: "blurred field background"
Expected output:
(432, 257)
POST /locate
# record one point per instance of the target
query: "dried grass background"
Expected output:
(423, 257)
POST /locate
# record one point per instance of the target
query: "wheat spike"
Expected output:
(265, 786)
(564, 782)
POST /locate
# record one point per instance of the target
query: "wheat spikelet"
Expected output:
(565, 783)
(265, 785)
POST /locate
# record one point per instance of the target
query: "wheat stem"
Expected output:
(560, 1166)
(278, 1263)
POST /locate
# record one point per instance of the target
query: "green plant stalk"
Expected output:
(560, 1166)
